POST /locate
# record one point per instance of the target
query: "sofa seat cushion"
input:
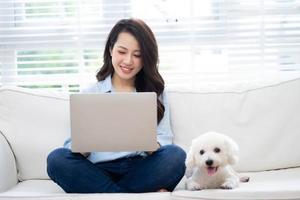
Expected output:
(47, 189)
(277, 184)
(34, 188)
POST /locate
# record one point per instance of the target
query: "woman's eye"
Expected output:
(138, 56)
(121, 52)
(201, 152)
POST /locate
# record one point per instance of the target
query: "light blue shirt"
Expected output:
(164, 132)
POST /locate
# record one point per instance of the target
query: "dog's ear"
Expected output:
(233, 150)
(189, 162)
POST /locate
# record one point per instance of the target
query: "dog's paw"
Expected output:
(226, 187)
(229, 184)
(192, 185)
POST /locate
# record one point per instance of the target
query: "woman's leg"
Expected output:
(162, 169)
(76, 174)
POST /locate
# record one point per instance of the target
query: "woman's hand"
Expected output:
(85, 154)
(151, 152)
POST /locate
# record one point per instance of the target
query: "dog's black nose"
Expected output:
(209, 162)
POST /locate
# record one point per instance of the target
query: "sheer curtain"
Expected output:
(58, 44)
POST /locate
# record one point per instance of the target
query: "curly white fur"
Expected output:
(209, 162)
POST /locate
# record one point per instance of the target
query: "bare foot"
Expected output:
(162, 190)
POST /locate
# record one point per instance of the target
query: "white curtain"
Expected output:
(58, 44)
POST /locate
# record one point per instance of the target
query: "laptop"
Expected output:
(113, 122)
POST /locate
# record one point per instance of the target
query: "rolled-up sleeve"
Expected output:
(68, 143)
(164, 132)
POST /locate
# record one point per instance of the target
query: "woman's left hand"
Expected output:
(151, 152)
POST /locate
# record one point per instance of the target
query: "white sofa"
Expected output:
(264, 121)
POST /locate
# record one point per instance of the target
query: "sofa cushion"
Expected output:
(276, 184)
(34, 122)
(264, 121)
(47, 189)
(34, 188)
(8, 170)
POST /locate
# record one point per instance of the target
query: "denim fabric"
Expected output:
(76, 174)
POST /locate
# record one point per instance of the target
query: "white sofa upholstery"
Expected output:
(264, 121)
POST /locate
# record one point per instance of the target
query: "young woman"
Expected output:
(130, 65)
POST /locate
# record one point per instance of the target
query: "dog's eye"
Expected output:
(217, 150)
(201, 152)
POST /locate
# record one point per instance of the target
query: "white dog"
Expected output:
(209, 160)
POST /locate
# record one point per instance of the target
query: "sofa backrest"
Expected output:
(34, 122)
(265, 122)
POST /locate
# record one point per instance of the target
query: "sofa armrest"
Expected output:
(8, 170)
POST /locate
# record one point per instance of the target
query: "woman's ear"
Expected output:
(233, 151)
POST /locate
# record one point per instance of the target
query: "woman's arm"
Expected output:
(164, 131)
(68, 144)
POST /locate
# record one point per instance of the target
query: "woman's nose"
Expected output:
(128, 59)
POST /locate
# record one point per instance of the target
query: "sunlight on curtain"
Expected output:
(58, 44)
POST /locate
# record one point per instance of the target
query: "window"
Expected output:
(58, 44)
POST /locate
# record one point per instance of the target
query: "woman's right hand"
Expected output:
(85, 154)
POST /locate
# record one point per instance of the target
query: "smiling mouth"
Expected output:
(211, 170)
(126, 70)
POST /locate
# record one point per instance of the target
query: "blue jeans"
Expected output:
(76, 174)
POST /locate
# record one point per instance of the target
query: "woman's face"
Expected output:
(126, 57)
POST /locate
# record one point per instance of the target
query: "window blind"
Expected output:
(58, 44)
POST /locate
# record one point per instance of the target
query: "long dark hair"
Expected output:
(148, 79)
